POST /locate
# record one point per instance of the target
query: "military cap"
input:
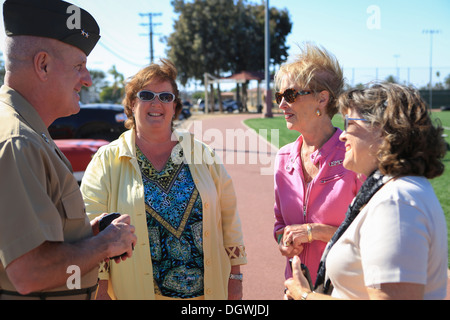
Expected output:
(54, 19)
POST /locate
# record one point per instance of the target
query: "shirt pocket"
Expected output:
(332, 178)
(73, 205)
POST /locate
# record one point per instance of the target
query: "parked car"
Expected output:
(79, 152)
(229, 105)
(94, 121)
(186, 111)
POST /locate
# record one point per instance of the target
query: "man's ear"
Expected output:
(40, 62)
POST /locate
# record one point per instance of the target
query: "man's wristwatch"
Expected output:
(236, 276)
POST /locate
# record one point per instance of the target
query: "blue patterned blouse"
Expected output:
(174, 222)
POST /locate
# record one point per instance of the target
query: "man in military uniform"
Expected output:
(45, 235)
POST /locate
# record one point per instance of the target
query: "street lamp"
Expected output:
(268, 113)
(396, 56)
(431, 32)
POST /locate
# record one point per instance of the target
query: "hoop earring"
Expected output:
(318, 113)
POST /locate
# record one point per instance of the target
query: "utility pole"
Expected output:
(150, 16)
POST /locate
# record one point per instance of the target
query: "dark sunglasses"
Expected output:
(289, 95)
(347, 119)
(165, 97)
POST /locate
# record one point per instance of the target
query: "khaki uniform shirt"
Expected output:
(39, 199)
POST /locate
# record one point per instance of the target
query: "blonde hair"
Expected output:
(165, 71)
(317, 70)
(411, 144)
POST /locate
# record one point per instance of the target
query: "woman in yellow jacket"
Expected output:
(179, 196)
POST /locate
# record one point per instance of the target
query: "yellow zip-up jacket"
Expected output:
(113, 183)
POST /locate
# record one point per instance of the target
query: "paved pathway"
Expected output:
(247, 158)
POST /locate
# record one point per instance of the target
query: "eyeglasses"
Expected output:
(164, 97)
(347, 119)
(289, 95)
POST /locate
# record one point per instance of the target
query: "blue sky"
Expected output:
(369, 37)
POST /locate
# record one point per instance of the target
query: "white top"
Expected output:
(399, 236)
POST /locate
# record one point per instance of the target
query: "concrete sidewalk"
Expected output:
(248, 159)
(264, 273)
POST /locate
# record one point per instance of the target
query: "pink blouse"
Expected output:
(324, 200)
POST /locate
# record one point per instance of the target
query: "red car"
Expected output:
(79, 152)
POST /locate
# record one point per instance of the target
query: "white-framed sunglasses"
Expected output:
(347, 119)
(164, 97)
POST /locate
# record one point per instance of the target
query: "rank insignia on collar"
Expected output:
(45, 138)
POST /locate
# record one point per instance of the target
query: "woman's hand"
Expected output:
(298, 284)
(286, 246)
(296, 234)
(235, 286)
(234, 289)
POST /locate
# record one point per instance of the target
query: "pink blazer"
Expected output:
(325, 200)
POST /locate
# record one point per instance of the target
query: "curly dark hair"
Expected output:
(411, 145)
(165, 71)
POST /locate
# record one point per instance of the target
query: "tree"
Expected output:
(200, 41)
(447, 82)
(391, 79)
(91, 94)
(224, 36)
(115, 92)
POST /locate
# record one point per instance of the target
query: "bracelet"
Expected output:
(305, 295)
(238, 276)
(309, 230)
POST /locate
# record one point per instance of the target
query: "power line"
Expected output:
(117, 55)
(150, 16)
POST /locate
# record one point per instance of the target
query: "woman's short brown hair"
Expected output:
(165, 71)
(411, 144)
(315, 69)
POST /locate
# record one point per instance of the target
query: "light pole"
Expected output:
(268, 113)
(396, 56)
(431, 32)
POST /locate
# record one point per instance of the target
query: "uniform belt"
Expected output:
(52, 294)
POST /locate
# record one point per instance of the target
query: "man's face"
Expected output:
(69, 74)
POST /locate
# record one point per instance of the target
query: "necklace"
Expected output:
(309, 169)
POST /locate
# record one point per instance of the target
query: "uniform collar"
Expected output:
(16, 101)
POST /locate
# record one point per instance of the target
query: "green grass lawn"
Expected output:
(441, 184)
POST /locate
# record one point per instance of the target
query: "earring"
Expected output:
(318, 113)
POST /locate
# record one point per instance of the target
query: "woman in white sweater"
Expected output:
(393, 243)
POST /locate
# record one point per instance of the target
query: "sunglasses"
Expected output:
(164, 97)
(347, 119)
(289, 95)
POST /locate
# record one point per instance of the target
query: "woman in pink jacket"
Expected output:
(312, 188)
